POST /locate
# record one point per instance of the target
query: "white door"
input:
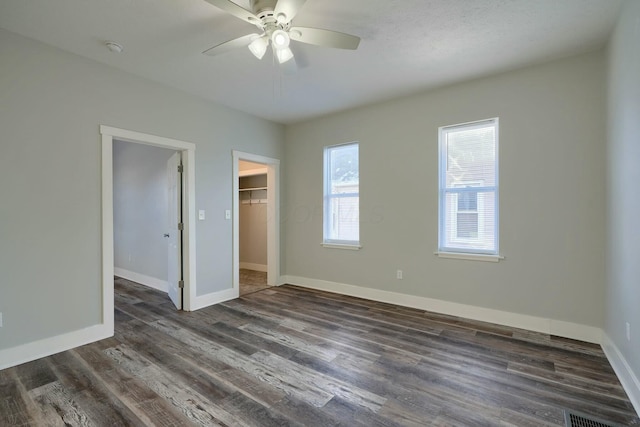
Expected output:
(175, 234)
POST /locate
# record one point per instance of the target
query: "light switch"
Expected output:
(201, 214)
(227, 214)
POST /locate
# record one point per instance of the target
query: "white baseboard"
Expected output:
(539, 324)
(627, 377)
(46, 347)
(214, 298)
(152, 282)
(254, 267)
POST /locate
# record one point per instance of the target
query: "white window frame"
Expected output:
(328, 196)
(460, 252)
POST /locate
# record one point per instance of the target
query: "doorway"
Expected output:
(262, 194)
(187, 150)
(252, 226)
(146, 215)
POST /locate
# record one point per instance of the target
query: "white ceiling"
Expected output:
(407, 45)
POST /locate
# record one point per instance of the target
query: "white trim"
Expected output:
(627, 377)
(189, 212)
(152, 282)
(273, 216)
(523, 321)
(145, 138)
(341, 246)
(254, 267)
(469, 257)
(214, 298)
(46, 347)
(273, 220)
(474, 124)
(574, 331)
(107, 233)
(189, 234)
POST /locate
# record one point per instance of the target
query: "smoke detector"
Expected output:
(114, 47)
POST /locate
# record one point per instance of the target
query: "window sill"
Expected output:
(469, 257)
(349, 247)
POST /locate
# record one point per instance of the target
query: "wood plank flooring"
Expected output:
(252, 281)
(291, 356)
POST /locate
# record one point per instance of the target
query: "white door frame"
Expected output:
(188, 213)
(273, 216)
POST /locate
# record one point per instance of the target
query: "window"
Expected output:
(341, 195)
(466, 217)
(468, 181)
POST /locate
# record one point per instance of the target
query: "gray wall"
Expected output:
(140, 208)
(50, 175)
(552, 134)
(623, 195)
(253, 234)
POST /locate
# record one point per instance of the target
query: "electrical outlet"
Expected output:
(227, 214)
(628, 332)
(399, 274)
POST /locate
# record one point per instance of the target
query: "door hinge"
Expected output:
(180, 226)
(180, 169)
(180, 284)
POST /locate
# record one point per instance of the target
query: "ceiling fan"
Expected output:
(274, 18)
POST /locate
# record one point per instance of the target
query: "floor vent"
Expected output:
(574, 419)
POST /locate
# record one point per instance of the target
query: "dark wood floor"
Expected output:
(252, 281)
(290, 356)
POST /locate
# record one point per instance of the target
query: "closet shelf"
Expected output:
(253, 189)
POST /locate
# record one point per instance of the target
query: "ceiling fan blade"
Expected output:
(231, 45)
(289, 8)
(324, 38)
(237, 11)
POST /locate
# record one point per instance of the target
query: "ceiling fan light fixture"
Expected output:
(284, 55)
(280, 39)
(259, 47)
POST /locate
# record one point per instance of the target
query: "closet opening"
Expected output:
(256, 222)
(252, 226)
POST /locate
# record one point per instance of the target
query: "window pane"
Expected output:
(467, 227)
(344, 219)
(468, 201)
(344, 169)
(471, 156)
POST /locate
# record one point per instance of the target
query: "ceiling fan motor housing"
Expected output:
(264, 9)
(258, 7)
